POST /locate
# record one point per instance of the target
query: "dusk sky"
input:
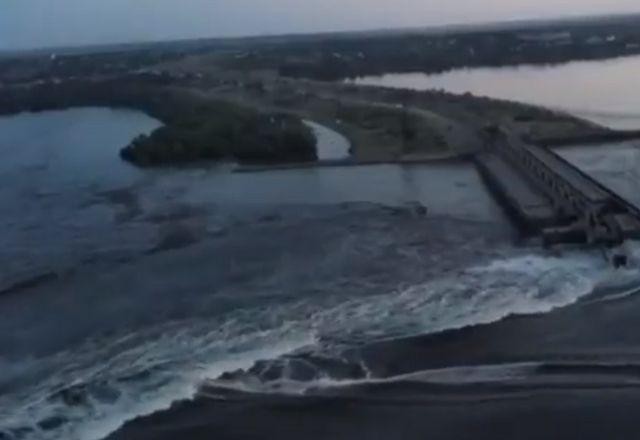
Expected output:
(38, 23)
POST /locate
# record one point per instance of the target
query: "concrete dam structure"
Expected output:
(548, 196)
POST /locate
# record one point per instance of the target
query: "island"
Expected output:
(194, 128)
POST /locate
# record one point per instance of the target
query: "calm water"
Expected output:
(54, 167)
(602, 91)
(66, 195)
(166, 278)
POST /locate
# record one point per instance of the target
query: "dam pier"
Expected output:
(548, 196)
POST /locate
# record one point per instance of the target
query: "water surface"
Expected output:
(164, 278)
(54, 167)
(616, 165)
(331, 145)
(602, 91)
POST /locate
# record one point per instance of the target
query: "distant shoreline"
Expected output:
(195, 129)
(453, 27)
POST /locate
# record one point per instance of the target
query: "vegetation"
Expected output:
(195, 128)
(339, 56)
(221, 132)
(47, 65)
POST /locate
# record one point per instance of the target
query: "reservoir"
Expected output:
(67, 196)
(601, 91)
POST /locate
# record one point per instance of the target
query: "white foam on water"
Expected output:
(181, 389)
(181, 356)
(524, 284)
(330, 144)
(94, 417)
(483, 294)
(458, 375)
(531, 373)
(623, 282)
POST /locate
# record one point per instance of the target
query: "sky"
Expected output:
(45, 23)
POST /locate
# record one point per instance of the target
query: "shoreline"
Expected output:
(383, 125)
(347, 163)
(605, 137)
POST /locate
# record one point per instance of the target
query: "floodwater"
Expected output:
(124, 289)
(602, 91)
(331, 145)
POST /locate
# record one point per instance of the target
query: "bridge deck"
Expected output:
(553, 196)
(529, 204)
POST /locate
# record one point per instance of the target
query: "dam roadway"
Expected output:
(550, 197)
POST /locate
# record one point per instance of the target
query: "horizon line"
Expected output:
(434, 28)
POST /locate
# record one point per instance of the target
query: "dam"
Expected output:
(548, 196)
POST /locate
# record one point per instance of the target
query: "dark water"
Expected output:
(140, 285)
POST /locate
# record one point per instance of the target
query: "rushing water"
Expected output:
(602, 91)
(159, 279)
(331, 144)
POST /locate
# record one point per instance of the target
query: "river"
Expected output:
(601, 91)
(124, 289)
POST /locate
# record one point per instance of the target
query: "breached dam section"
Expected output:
(549, 196)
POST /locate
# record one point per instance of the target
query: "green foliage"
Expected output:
(194, 128)
(225, 133)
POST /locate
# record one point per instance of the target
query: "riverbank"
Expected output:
(272, 75)
(391, 125)
(195, 129)
(346, 163)
(332, 57)
(381, 125)
(591, 90)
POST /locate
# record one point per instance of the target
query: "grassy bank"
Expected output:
(195, 128)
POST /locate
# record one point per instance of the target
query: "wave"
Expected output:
(507, 376)
(87, 404)
(91, 391)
